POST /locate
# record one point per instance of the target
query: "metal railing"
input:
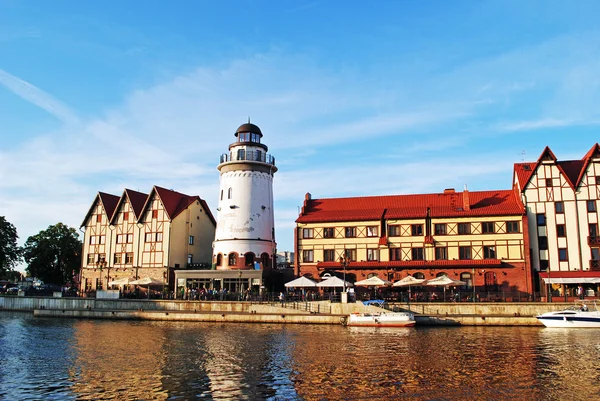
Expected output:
(248, 156)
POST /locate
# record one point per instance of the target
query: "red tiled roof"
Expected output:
(136, 199)
(109, 203)
(176, 202)
(414, 264)
(593, 152)
(482, 203)
(524, 171)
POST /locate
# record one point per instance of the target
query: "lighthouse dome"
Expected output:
(248, 127)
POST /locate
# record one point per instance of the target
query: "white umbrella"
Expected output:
(301, 282)
(147, 281)
(373, 281)
(121, 281)
(408, 281)
(334, 282)
(444, 281)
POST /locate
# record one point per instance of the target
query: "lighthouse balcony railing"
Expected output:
(248, 156)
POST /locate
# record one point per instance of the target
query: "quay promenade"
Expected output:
(318, 312)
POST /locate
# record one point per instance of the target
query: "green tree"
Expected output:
(54, 255)
(10, 253)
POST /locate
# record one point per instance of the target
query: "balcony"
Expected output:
(595, 265)
(594, 241)
(248, 156)
(429, 240)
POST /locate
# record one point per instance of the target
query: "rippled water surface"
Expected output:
(51, 359)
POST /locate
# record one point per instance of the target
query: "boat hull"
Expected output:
(381, 320)
(570, 319)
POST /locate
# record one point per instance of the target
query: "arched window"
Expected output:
(229, 193)
(440, 274)
(371, 275)
(249, 259)
(467, 278)
(264, 259)
(219, 259)
(233, 259)
(419, 275)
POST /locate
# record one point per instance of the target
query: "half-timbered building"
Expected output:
(561, 199)
(477, 237)
(141, 235)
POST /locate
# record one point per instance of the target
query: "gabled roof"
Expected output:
(572, 170)
(136, 200)
(107, 201)
(482, 203)
(175, 202)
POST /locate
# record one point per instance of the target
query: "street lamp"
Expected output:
(101, 263)
(344, 261)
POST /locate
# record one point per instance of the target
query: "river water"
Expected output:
(54, 359)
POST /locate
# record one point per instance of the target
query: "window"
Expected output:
(372, 231)
(489, 252)
(487, 227)
(467, 279)
(598, 180)
(155, 214)
(118, 258)
(562, 254)
(441, 253)
(129, 258)
(543, 243)
(120, 238)
(560, 230)
(191, 240)
(350, 254)
(130, 238)
(329, 255)
(328, 232)
(464, 252)
(393, 231)
(159, 237)
(543, 265)
(99, 218)
(90, 258)
(148, 237)
(229, 193)
(595, 253)
(350, 232)
(221, 194)
(307, 233)
(416, 230)
(591, 205)
(307, 255)
(548, 182)
(440, 229)
(395, 254)
(190, 259)
(593, 229)
(373, 254)
(416, 253)
(92, 239)
(512, 227)
(102, 239)
(559, 207)
(541, 219)
(125, 216)
(464, 228)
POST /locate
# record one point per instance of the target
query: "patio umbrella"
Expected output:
(408, 281)
(121, 281)
(334, 282)
(374, 282)
(147, 282)
(444, 281)
(301, 282)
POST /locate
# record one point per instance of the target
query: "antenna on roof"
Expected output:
(248, 119)
(523, 153)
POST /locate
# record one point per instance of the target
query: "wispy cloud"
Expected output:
(38, 97)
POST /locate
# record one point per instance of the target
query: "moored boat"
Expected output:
(573, 316)
(381, 319)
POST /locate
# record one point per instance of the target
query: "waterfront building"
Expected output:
(561, 199)
(477, 237)
(140, 235)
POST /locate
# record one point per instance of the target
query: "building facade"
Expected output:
(562, 201)
(141, 235)
(476, 237)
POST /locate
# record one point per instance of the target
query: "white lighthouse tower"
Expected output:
(245, 234)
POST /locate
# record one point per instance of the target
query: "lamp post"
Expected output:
(101, 264)
(473, 284)
(344, 261)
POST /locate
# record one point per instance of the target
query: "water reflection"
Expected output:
(75, 359)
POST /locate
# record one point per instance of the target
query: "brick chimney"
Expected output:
(466, 203)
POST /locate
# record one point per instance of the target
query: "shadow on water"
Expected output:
(84, 360)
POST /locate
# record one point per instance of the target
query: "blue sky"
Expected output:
(354, 98)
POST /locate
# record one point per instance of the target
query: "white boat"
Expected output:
(383, 318)
(574, 316)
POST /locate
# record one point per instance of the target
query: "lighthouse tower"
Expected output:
(245, 234)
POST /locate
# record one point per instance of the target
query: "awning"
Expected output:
(571, 277)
